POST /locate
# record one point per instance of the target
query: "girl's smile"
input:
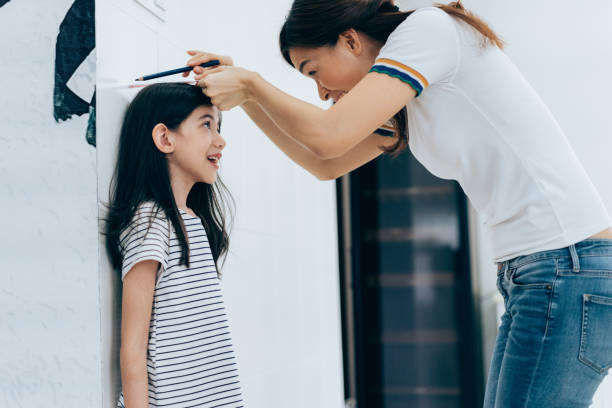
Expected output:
(214, 160)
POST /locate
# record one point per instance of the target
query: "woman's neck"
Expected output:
(372, 47)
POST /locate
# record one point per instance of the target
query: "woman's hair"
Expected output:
(317, 23)
(141, 173)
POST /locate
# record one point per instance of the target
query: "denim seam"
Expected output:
(601, 300)
(603, 272)
(534, 259)
(550, 300)
(527, 286)
(585, 324)
(539, 257)
(583, 336)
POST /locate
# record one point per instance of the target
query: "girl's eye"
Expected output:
(311, 73)
(208, 124)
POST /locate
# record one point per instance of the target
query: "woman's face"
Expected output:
(198, 145)
(335, 69)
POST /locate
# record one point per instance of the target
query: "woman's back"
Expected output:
(479, 122)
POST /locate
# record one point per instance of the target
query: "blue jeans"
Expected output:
(554, 345)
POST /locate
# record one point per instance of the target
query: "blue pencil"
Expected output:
(177, 71)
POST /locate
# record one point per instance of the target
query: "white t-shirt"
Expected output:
(190, 356)
(476, 120)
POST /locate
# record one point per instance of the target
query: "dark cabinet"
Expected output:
(411, 337)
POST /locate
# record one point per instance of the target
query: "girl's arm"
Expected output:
(323, 169)
(327, 133)
(138, 288)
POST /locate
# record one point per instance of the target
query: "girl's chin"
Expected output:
(208, 179)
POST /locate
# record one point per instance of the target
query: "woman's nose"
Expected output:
(323, 92)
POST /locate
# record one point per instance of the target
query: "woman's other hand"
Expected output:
(227, 86)
(200, 57)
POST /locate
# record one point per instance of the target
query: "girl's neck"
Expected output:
(181, 186)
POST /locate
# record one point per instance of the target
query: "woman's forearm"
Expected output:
(332, 133)
(134, 379)
(297, 152)
(303, 122)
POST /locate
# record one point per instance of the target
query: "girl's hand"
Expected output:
(227, 86)
(200, 57)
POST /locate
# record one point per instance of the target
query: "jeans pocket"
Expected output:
(534, 275)
(596, 337)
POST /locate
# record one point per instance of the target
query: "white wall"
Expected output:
(281, 277)
(49, 322)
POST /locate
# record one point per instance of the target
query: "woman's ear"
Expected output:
(350, 38)
(163, 139)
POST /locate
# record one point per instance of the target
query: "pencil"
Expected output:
(177, 71)
(144, 85)
(129, 85)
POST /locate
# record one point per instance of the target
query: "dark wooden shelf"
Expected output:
(417, 337)
(422, 391)
(407, 234)
(409, 192)
(412, 337)
(410, 280)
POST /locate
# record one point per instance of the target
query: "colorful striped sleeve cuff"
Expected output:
(404, 73)
(387, 130)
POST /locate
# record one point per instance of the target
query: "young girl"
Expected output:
(467, 114)
(166, 232)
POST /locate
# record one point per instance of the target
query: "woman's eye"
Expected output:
(208, 124)
(311, 73)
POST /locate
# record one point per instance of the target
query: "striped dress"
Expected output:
(190, 358)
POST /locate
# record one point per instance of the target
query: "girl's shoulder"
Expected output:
(149, 209)
(146, 237)
(148, 215)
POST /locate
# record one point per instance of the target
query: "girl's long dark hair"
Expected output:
(141, 173)
(317, 23)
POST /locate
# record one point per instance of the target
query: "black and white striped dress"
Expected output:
(190, 359)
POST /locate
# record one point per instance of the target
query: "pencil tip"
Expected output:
(138, 79)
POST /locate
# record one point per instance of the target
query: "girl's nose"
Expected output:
(220, 142)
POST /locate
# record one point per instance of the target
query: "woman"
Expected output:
(467, 114)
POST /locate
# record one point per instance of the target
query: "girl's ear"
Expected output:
(163, 139)
(350, 38)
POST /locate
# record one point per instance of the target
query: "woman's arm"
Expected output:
(323, 169)
(327, 133)
(138, 288)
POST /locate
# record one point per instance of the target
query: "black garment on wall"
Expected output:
(75, 41)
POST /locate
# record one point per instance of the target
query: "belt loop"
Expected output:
(502, 268)
(575, 261)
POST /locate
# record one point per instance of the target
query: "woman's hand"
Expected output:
(200, 57)
(227, 86)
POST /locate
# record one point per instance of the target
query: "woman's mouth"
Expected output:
(338, 96)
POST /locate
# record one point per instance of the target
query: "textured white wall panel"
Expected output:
(49, 324)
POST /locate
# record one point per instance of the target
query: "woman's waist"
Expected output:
(588, 251)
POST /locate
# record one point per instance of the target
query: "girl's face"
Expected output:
(198, 146)
(335, 69)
